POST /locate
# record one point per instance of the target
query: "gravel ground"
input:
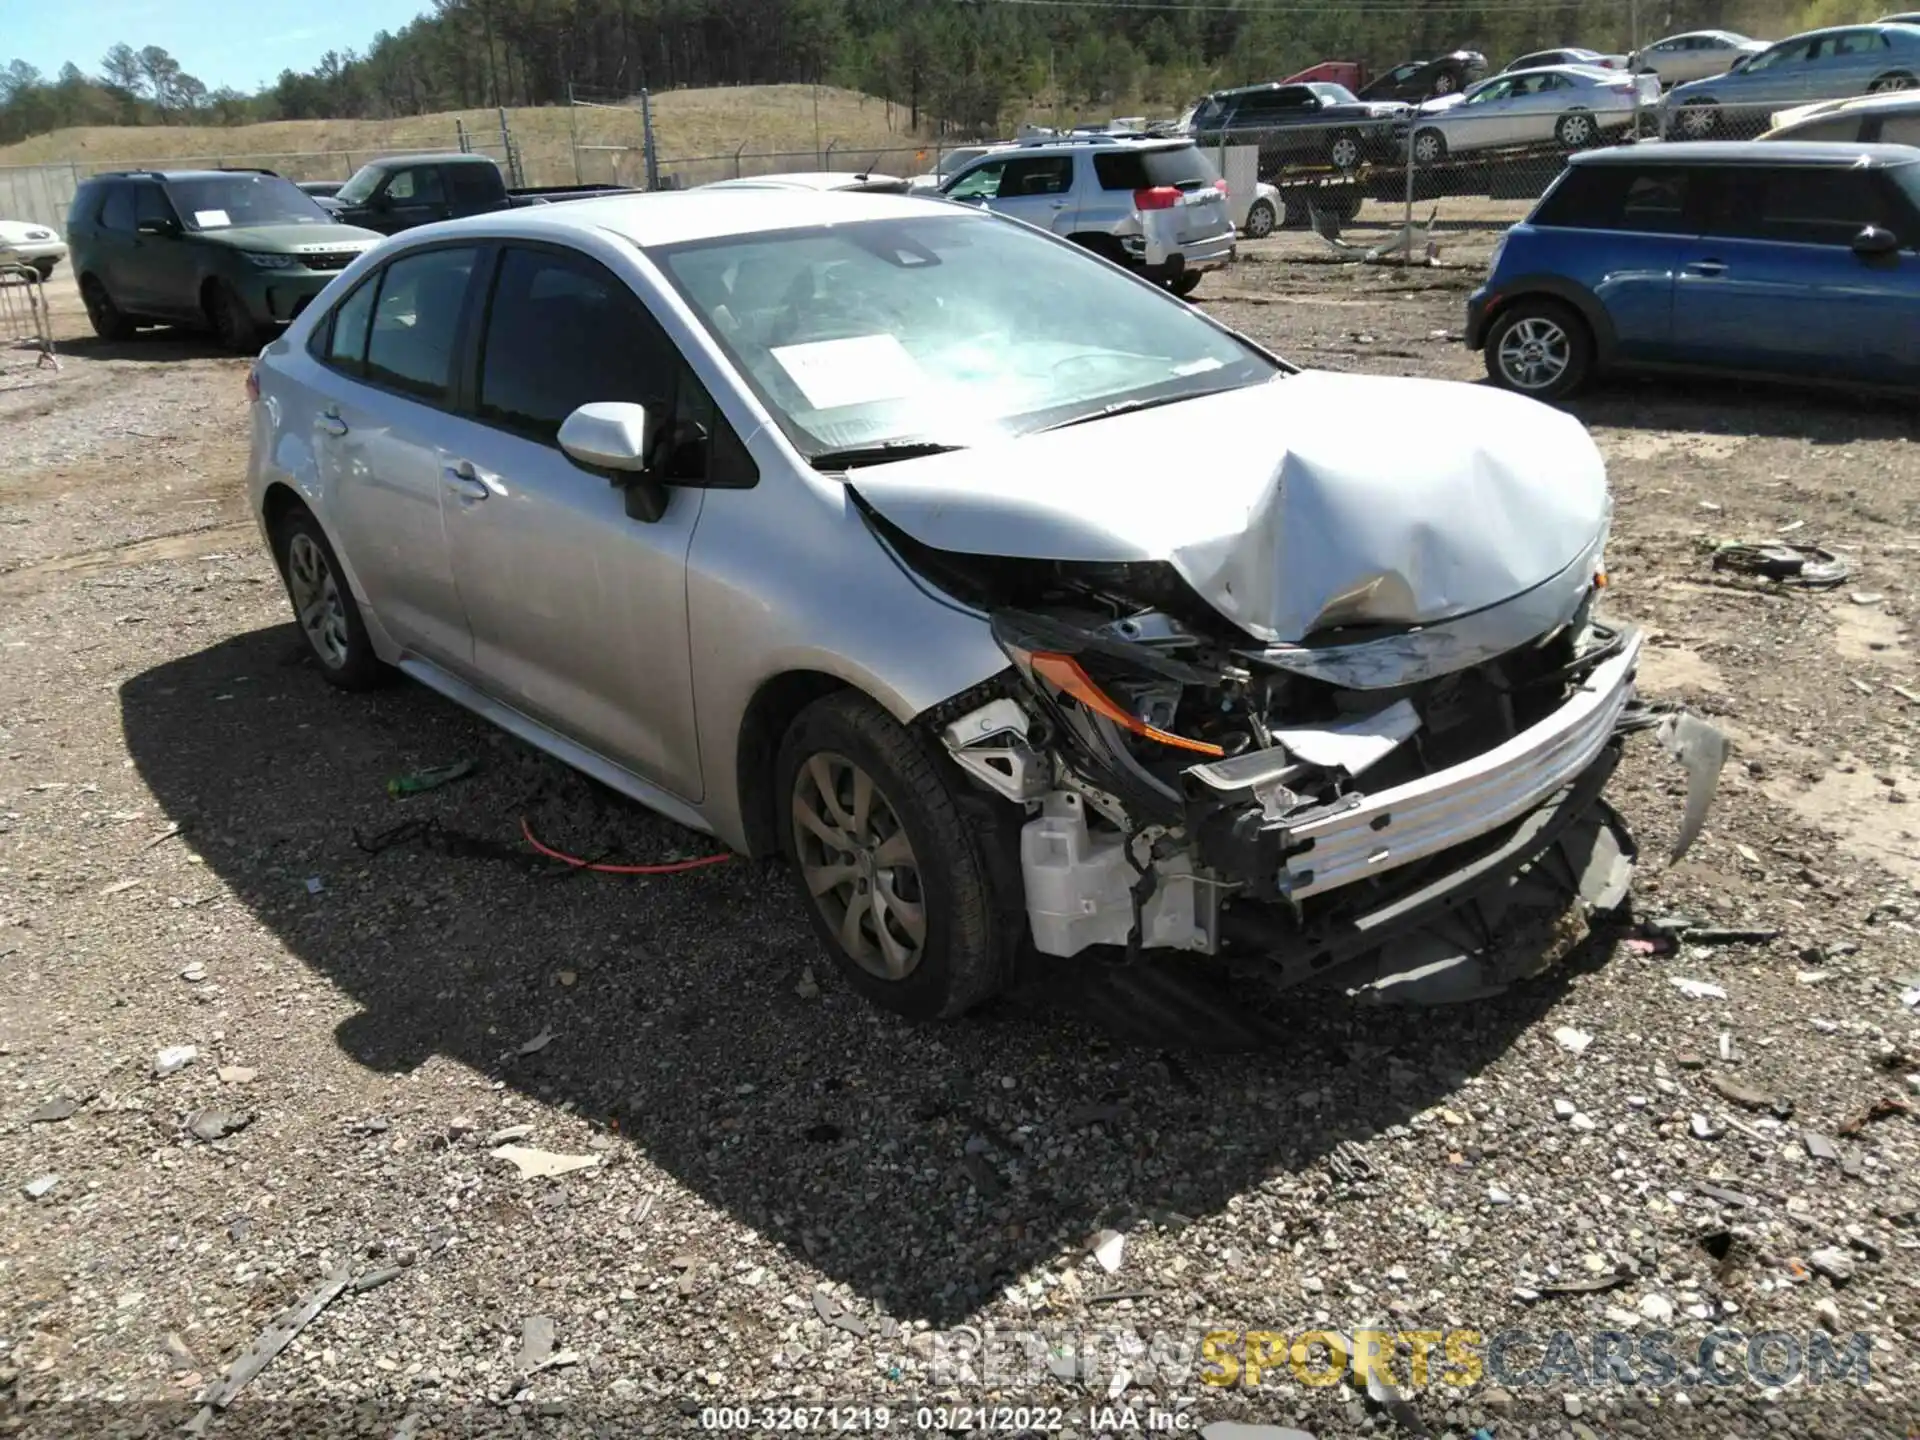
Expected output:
(784, 1199)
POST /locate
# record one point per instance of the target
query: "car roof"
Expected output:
(1868, 104)
(198, 173)
(1752, 152)
(713, 212)
(436, 157)
(803, 180)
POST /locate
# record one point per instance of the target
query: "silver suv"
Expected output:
(1156, 206)
(1015, 602)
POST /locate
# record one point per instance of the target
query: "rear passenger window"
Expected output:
(1617, 197)
(346, 347)
(1037, 175)
(470, 186)
(410, 344)
(561, 333)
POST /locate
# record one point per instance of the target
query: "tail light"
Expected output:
(1156, 197)
(253, 382)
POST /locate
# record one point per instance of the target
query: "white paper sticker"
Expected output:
(854, 371)
(211, 219)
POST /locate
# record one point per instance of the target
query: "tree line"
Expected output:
(969, 65)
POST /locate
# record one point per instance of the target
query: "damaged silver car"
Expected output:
(1018, 604)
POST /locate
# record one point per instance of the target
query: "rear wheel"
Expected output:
(324, 605)
(1576, 130)
(108, 322)
(1262, 219)
(1895, 80)
(1429, 147)
(897, 883)
(1343, 151)
(232, 325)
(1539, 347)
(1185, 283)
(1444, 83)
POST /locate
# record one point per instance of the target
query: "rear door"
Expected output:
(112, 244)
(380, 433)
(1774, 285)
(578, 611)
(1039, 190)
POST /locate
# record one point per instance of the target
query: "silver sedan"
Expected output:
(1017, 604)
(1571, 106)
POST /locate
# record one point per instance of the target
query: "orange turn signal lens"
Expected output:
(1063, 672)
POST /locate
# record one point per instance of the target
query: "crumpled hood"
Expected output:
(1311, 501)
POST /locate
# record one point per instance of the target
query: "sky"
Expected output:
(242, 43)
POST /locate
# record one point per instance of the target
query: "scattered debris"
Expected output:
(1807, 566)
(1114, 1297)
(537, 1043)
(1696, 989)
(1885, 1108)
(1108, 1247)
(237, 1074)
(61, 1107)
(542, 1164)
(41, 1187)
(271, 1341)
(1564, 1110)
(511, 1133)
(1828, 1314)
(1833, 1263)
(315, 885)
(1657, 1308)
(1721, 935)
(1705, 1129)
(180, 1356)
(828, 1307)
(194, 973)
(1702, 753)
(120, 887)
(1571, 1039)
(1750, 1099)
(985, 1178)
(1866, 597)
(536, 1343)
(162, 838)
(1723, 1195)
(374, 1279)
(1687, 1060)
(806, 987)
(174, 1059)
(419, 782)
(1595, 1285)
(216, 1124)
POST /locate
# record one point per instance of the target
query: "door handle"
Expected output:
(331, 422)
(461, 480)
(1059, 204)
(1706, 268)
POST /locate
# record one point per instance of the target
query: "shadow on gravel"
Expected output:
(1743, 410)
(159, 347)
(926, 1167)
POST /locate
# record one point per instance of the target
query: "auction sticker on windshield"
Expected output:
(853, 371)
(211, 219)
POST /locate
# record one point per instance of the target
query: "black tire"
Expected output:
(970, 930)
(351, 664)
(1432, 142)
(1892, 80)
(1105, 246)
(1186, 282)
(46, 268)
(1576, 130)
(1344, 150)
(1445, 83)
(1262, 219)
(108, 320)
(1551, 380)
(233, 327)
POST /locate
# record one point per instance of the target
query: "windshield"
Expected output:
(955, 329)
(230, 201)
(954, 159)
(1333, 94)
(358, 189)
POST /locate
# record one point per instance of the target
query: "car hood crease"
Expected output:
(1293, 507)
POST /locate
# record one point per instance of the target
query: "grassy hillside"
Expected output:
(687, 123)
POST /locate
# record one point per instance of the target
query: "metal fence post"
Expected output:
(646, 140)
(573, 131)
(460, 135)
(826, 162)
(1406, 253)
(736, 158)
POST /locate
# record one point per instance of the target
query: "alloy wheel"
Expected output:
(1888, 83)
(316, 600)
(859, 866)
(1427, 147)
(1697, 121)
(1260, 220)
(1534, 353)
(1575, 131)
(1344, 152)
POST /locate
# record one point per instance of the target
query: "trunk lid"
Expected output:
(1310, 501)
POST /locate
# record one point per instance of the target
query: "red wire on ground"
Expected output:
(673, 867)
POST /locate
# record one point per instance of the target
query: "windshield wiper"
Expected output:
(884, 453)
(1127, 407)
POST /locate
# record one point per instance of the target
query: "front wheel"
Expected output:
(1699, 119)
(233, 326)
(898, 885)
(1429, 147)
(324, 606)
(1343, 152)
(1540, 348)
(1262, 220)
(1185, 283)
(1444, 83)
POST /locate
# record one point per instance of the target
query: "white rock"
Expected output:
(1572, 1039)
(1497, 1196)
(1696, 989)
(1657, 1308)
(1564, 1110)
(1828, 1314)
(1582, 1122)
(1109, 1248)
(41, 1187)
(174, 1059)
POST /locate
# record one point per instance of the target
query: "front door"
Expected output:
(1039, 190)
(414, 196)
(1775, 286)
(578, 611)
(163, 256)
(379, 441)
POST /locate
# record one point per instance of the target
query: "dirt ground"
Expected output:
(786, 1200)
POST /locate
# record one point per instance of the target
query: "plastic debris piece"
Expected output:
(1807, 566)
(541, 1164)
(419, 782)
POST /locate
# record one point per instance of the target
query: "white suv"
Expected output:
(1157, 206)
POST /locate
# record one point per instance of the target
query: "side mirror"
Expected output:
(610, 437)
(1874, 243)
(165, 229)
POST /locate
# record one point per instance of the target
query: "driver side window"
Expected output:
(980, 183)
